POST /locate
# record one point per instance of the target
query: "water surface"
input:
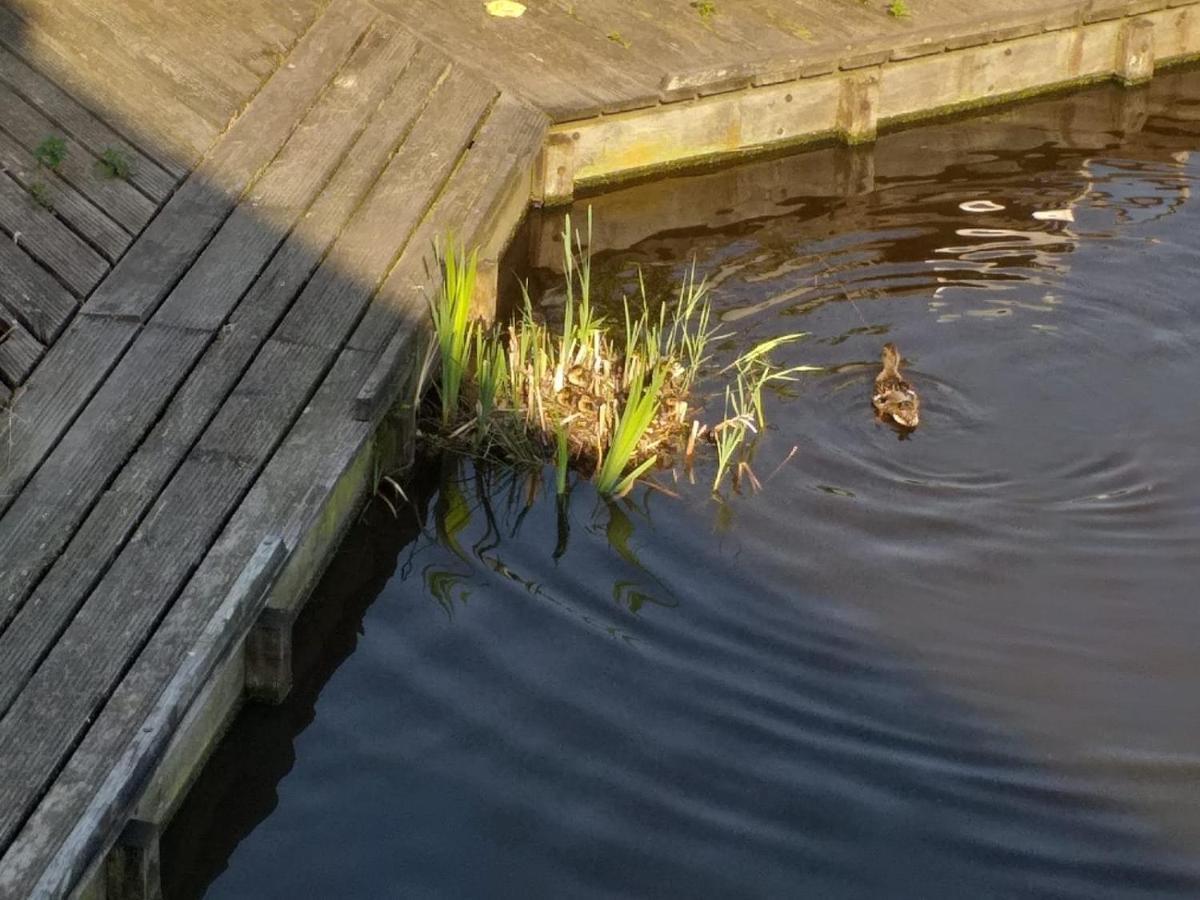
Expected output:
(961, 664)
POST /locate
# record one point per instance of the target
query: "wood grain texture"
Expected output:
(19, 352)
(120, 200)
(39, 233)
(34, 296)
(162, 254)
(112, 424)
(83, 216)
(90, 131)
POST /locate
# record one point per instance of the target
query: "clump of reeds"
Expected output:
(611, 398)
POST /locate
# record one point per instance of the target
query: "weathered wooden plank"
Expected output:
(504, 149)
(180, 232)
(84, 217)
(51, 854)
(19, 351)
(143, 579)
(261, 222)
(155, 180)
(48, 240)
(332, 303)
(129, 402)
(39, 302)
(175, 40)
(67, 376)
(518, 55)
(124, 203)
(177, 235)
(43, 518)
(148, 108)
(116, 51)
(116, 514)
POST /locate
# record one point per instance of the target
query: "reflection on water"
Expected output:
(960, 665)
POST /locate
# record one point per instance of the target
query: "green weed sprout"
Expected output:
(640, 407)
(52, 152)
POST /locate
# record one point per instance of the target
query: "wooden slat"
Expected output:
(167, 248)
(505, 149)
(229, 264)
(38, 301)
(44, 237)
(177, 133)
(172, 241)
(92, 450)
(521, 54)
(19, 352)
(116, 514)
(124, 203)
(84, 217)
(120, 53)
(175, 40)
(41, 519)
(154, 180)
(77, 362)
(327, 311)
(138, 588)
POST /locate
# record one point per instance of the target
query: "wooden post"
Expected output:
(858, 107)
(132, 871)
(1135, 52)
(487, 289)
(269, 657)
(854, 170)
(555, 184)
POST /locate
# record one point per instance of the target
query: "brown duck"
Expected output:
(894, 398)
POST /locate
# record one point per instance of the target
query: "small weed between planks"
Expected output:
(898, 9)
(607, 396)
(114, 164)
(51, 152)
(42, 195)
(706, 9)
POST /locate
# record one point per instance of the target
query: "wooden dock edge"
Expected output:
(853, 102)
(851, 105)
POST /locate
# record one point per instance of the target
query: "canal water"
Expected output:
(958, 663)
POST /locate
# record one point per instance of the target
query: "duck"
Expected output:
(894, 398)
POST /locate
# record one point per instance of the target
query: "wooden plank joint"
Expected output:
(858, 107)
(269, 657)
(132, 870)
(1135, 52)
(556, 182)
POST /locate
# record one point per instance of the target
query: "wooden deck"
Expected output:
(199, 356)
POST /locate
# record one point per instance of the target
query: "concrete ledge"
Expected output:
(852, 97)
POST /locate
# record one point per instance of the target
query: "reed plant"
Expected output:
(609, 396)
(452, 325)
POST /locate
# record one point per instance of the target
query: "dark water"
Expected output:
(959, 665)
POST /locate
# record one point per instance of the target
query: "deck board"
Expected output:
(36, 229)
(33, 295)
(120, 613)
(128, 404)
(155, 181)
(142, 478)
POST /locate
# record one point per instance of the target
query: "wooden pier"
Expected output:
(209, 357)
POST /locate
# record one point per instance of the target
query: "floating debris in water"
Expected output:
(505, 9)
(1054, 215)
(980, 206)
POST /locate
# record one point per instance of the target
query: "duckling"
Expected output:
(894, 398)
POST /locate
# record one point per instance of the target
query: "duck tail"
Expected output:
(891, 361)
